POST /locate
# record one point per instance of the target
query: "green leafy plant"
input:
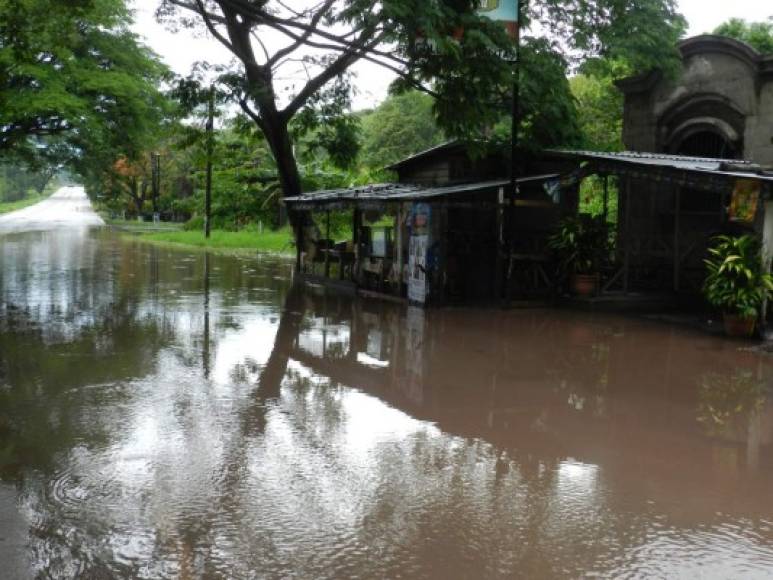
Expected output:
(582, 242)
(735, 281)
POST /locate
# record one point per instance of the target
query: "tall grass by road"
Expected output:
(247, 240)
(9, 206)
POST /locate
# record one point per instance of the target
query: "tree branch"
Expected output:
(301, 40)
(245, 106)
(210, 19)
(337, 68)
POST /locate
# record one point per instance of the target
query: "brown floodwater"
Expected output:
(169, 414)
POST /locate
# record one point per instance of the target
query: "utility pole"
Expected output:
(514, 169)
(507, 234)
(156, 180)
(210, 151)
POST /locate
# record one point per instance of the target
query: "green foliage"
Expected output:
(403, 125)
(74, 71)
(735, 280)
(638, 35)
(444, 48)
(592, 197)
(600, 111)
(19, 183)
(582, 243)
(547, 108)
(325, 130)
(758, 34)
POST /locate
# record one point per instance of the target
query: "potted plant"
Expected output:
(736, 282)
(581, 242)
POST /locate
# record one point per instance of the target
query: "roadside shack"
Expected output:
(429, 244)
(669, 207)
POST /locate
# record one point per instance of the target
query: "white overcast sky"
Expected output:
(180, 50)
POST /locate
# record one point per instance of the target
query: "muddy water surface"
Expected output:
(166, 414)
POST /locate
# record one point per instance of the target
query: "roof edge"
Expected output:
(761, 64)
(707, 43)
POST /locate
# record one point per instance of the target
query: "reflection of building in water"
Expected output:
(619, 393)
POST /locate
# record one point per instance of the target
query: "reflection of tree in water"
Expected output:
(79, 344)
(583, 375)
(728, 401)
(43, 408)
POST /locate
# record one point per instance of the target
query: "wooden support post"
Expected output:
(627, 236)
(357, 225)
(606, 199)
(499, 273)
(677, 251)
(210, 152)
(398, 261)
(442, 271)
(327, 244)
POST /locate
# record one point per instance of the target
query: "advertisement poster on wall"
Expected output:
(418, 247)
(746, 196)
(417, 265)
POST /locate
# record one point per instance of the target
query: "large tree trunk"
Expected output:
(270, 120)
(278, 138)
(134, 193)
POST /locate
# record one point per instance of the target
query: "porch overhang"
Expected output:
(379, 196)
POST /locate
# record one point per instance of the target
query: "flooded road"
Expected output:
(166, 414)
(68, 208)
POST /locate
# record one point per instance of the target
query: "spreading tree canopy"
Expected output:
(442, 47)
(75, 83)
(757, 34)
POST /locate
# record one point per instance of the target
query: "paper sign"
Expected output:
(417, 269)
(746, 196)
(502, 10)
(505, 10)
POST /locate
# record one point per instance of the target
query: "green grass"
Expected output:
(136, 226)
(9, 206)
(279, 241)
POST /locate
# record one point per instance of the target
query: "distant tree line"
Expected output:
(79, 91)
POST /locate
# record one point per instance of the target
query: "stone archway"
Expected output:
(703, 125)
(707, 143)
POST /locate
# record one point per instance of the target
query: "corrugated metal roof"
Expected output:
(399, 192)
(427, 152)
(730, 168)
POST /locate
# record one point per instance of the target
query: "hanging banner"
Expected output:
(502, 10)
(746, 196)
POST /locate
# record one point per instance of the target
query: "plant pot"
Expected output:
(739, 326)
(585, 285)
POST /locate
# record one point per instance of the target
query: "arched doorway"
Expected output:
(707, 144)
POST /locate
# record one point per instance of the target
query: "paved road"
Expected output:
(67, 208)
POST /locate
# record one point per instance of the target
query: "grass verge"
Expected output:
(279, 241)
(9, 206)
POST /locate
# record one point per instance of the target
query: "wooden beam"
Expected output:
(677, 251)
(500, 257)
(399, 249)
(327, 244)
(627, 234)
(606, 198)
(357, 219)
(767, 257)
